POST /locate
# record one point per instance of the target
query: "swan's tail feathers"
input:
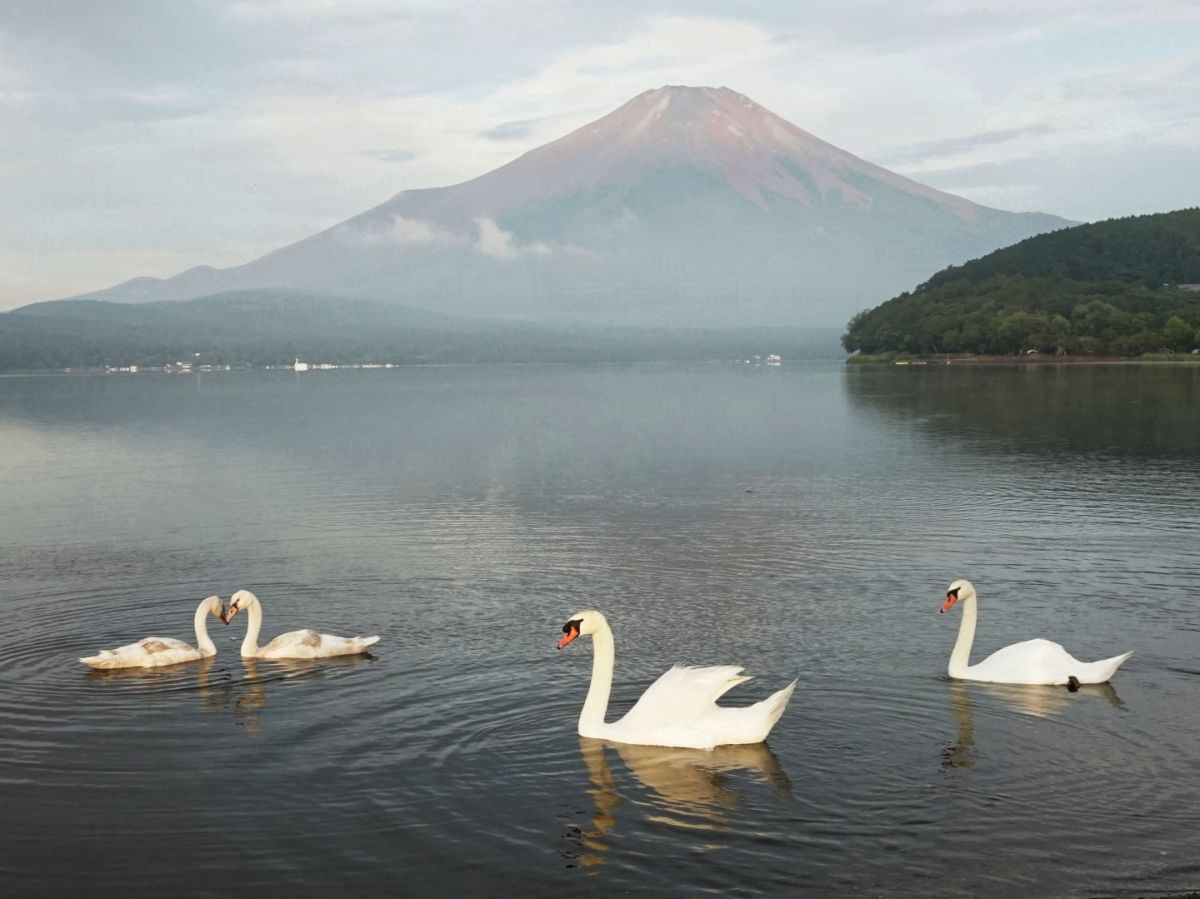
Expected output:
(1102, 671)
(773, 707)
(364, 642)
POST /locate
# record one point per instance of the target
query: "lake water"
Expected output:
(802, 521)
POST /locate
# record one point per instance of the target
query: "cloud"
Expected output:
(397, 231)
(415, 231)
(489, 238)
(512, 130)
(215, 131)
(954, 145)
(494, 241)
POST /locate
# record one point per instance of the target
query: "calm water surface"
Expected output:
(802, 521)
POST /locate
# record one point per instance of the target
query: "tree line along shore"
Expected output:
(1109, 291)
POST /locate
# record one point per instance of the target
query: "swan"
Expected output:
(679, 709)
(306, 644)
(1030, 662)
(154, 652)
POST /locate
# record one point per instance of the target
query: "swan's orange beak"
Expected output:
(951, 599)
(568, 637)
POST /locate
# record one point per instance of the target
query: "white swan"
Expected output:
(679, 709)
(1031, 662)
(154, 652)
(306, 644)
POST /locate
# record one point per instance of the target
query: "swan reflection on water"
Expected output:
(250, 693)
(166, 676)
(693, 789)
(1046, 702)
(1037, 701)
(960, 753)
(218, 688)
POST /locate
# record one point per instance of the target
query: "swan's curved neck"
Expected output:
(591, 719)
(253, 626)
(960, 658)
(203, 642)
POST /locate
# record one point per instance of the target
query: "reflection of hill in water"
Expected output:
(1134, 410)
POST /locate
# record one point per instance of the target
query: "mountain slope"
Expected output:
(685, 206)
(1112, 287)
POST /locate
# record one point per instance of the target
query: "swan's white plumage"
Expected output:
(680, 708)
(155, 652)
(1029, 662)
(303, 644)
(308, 644)
(1043, 659)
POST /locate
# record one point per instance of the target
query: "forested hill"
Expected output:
(1123, 286)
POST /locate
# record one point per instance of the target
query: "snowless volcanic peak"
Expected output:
(686, 205)
(713, 130)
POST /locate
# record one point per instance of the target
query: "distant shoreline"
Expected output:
(1034, 359)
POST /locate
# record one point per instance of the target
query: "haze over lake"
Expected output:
(803, 521)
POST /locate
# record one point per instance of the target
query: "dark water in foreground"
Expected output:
(803, 521)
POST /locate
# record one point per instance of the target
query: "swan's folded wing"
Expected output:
(155, 645)
(1028, 662)
(683, 694)
(308, 638)
(149, 652)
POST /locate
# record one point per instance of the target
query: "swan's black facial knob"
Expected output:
(570, 631)
(951, 599)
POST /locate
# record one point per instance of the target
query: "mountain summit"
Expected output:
(714, 131)
(685, 206)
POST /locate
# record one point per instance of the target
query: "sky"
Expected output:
(140, 137)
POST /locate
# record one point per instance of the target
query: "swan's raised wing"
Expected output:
(683, 695)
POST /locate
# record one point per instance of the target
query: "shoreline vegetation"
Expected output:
(899, 358)
(1118, 290)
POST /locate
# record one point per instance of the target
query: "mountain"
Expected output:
(686, 206)
(259, 327)
(1120, 287)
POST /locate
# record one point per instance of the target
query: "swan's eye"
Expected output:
(572, 625)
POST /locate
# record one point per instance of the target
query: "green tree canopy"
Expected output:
(1109, 288)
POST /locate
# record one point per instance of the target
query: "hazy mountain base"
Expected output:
(276, 327)
(677, 249)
